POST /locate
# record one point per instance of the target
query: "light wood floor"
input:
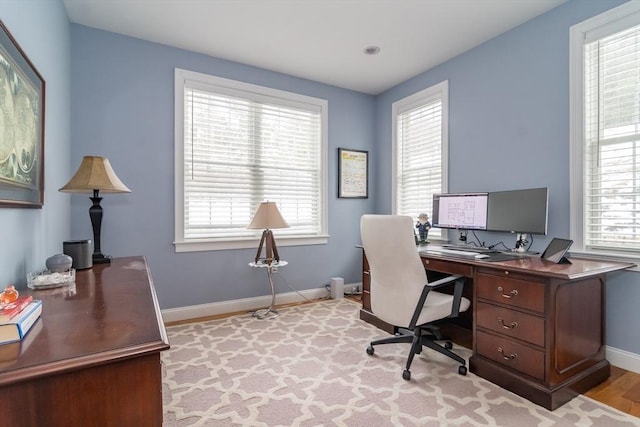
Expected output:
(621, 390)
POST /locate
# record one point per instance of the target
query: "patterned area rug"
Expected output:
(308, 367)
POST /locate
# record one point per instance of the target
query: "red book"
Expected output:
(12, 309)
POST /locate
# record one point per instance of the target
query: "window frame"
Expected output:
(253, 92)
(613, 20)
(437, 91)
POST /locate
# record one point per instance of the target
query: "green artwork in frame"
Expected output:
(22, 92)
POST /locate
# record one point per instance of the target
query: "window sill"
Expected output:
(209, 245)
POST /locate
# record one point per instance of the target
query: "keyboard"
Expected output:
(441, 250)
(470, 249)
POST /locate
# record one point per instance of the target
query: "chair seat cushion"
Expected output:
(438, 306)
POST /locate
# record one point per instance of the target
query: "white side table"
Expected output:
(269, 312)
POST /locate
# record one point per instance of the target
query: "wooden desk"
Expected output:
(93, 359)
(538, 327)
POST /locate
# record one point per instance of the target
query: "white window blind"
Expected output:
(242, 145)
(420, 132)
(612, 142)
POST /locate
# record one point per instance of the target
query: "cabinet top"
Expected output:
(113, 313)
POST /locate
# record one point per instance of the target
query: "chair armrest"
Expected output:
(457, 290)
(457, 296)
(444, 281)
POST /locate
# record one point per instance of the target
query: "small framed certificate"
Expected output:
(353, 174)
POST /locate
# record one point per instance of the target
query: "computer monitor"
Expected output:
(466, 211)
(518, 211)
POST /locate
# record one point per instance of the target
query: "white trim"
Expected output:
(623, 359)
(233, 306)
(577, 37)
(178, 155)
(208, 245)
(438, 91)
(576, 135)
(181, 77)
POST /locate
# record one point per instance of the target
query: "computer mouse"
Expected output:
(479, 256)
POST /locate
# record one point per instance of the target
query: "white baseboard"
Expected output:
(352, 288)
(623, 359)
(245, 304)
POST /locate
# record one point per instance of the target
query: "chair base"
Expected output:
(421, 336)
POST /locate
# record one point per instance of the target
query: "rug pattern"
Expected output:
(308, 367)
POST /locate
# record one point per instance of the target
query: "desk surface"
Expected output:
(579, 267)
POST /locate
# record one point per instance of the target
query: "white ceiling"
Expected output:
(320, 40)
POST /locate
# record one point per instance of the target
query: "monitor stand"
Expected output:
(521, 242)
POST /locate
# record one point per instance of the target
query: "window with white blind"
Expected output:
(238, 145)
(605, 151)
(420, 141)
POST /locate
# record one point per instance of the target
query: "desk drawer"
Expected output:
(519, 293)
(449, 267)
(508, 353)
(511, 323)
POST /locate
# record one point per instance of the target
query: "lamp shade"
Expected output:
(267, 217)
(95, 173)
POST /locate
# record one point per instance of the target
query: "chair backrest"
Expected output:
(397, 273)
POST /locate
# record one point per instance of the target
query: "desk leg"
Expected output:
(270, 312)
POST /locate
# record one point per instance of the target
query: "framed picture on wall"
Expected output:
(22, 92)
(353, 173)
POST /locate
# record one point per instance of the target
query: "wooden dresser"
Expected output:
(538, 327)
(93, 359)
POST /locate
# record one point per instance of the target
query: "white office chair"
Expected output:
(400, 292)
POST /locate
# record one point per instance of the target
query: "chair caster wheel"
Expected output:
(462, 370)
(448, 345)
(406, 374)
(370, 350)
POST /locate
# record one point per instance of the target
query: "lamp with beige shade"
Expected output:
(94, 175)
(268, 217)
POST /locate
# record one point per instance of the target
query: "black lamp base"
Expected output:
(95, 213)
(101, 259)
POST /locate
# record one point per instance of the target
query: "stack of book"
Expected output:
(18, 317)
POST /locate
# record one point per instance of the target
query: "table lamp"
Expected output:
(95, 174)
(268, 217)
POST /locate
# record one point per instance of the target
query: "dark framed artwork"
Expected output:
(353, 174)
(22, 92)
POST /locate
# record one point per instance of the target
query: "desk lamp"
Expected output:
(268, 217)
(95, 174)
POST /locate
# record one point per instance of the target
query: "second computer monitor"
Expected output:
(518, 211)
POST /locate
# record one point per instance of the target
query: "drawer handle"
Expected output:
(511, 325)
(511, 294)
(365, 272)
(509, 357)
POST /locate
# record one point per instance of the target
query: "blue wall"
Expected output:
(30, 236)
(123, 108)
(509, 129)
